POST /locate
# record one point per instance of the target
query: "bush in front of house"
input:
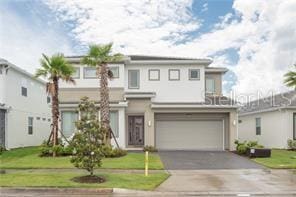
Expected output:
(2, 149)
(241, 147)
(110, 152)
(150, 149)
(291, 144)
(61, 149)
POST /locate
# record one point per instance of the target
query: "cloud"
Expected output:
(22, 42)
(204, 7)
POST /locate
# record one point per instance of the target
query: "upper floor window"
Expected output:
(258, 126)
(133, 79)
(194, 74)
(174, 74)
(115, 71)
(154, 75)
(30, 125)
(210, 86)
(24, 91)
(76, 74)
(90, 73)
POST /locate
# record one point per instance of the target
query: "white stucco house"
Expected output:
(271, 121)
(171, 103)
(25, 116)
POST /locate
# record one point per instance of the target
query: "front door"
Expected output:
(136, 130)
(2, 128)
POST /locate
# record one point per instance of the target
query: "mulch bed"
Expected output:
(89, 179)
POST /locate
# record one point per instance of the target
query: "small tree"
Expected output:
(88, 141)
(290, 78)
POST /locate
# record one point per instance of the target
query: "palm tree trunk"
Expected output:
(104, 104)
(55, 113)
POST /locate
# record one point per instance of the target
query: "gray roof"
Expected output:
(282, 100)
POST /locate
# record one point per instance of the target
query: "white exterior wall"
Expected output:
(276, 128)
(20, 108)
(184, 90)
(95, 83)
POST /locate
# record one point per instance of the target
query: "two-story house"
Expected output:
(25, 116)
(167, 102)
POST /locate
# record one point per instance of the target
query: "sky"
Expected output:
(254, 39)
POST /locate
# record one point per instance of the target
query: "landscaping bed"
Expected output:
(27, 158)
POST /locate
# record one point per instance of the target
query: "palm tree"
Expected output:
(290, 78)
(99, 56)
(55, 68)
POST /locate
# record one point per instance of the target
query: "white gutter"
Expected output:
(192, 106)
(174, 62)
(120, 104)
(267, 110)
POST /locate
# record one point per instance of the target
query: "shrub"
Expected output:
(292, 144)
(2, 149)
(149, 149)
(109, 152)
(88, 142)
(241, 147)
(61, 150)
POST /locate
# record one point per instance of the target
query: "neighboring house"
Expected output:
(166, 102)
(271, 121)
(24, 108)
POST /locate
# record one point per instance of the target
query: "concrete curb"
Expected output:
(126, 192)
(55, 191)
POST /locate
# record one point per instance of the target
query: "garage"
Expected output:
(189, 132)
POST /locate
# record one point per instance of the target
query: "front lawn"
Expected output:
(128, 181)
(279, 159)
(27, 158)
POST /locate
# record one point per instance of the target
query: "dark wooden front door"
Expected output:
(136, 130)
(2, 128)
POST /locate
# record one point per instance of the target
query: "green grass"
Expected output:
(27, 158)
(280, 159)
(63, 180)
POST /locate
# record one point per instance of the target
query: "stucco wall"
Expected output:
(276, 128)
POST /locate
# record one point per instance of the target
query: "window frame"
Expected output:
(77, 77)
(86, 68)
(158, 74)
(189, 74)
(129, 79)
(258, 128)
(24, 91)
(115, 67)
(30, 125)
(214, 83)
(169, 73)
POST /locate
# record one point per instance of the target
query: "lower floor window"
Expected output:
(68, 122)
(114, 122)
(294, 128)
(30, 125)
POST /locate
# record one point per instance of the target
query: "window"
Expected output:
(48, 99)
(133, 79)
(38, 118)
(24, 91)
(174, 74)
(154, 75)
(194, 74)
(90, 73)
(115, 71)
(76, 74)
(210, 86)
(30, 125)
(258, 126)
(114, 122)
(68, 122)
(48, 119)
(294, 126)
(240, 121)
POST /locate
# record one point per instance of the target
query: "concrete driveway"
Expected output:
(194, 160)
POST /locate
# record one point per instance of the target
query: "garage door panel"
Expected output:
(189, 135)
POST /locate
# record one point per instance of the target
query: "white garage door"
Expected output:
(189, 135)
